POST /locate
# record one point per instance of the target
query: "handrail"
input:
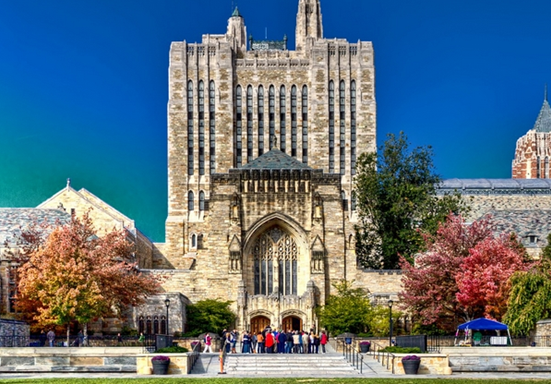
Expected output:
(352, 356)
(194, 356)
(382, 357)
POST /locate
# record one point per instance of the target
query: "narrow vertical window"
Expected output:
(282, 133)
(342, 163)
(260, 120)
(331, 127)
(538, 167)
(271, 114)
(249, 124)
(190, 128)
(190, 203)
(201, 201)
(201, 97)
(305, 124)
(353, 127)
(238, 126)
(294, 121)
(212, 129)
(194, 241)
(546, 170)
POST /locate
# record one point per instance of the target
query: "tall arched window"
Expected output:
(271, 114)
(294, 121)
(331, 127)
(282, 106)
(193, 242)
(201, 97)
(201, 201)
(260, 120)
(353, 127)
(190, 203)
(305, 124)
(190, 128)
(249, 124)
(212, 128)
(342, 163)
(538, 167)
(238, 126)
(275, 252)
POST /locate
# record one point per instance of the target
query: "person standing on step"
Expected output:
(323, 341)
(296, 342)
(269, 341)
(260, 342)
(208, 343)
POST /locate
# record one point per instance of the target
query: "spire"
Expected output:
(543, 122)
(236, 13)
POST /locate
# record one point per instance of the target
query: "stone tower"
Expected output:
(309, 26)
(533, 150)
(262, 148)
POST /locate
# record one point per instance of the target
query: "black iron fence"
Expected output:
(436, 343)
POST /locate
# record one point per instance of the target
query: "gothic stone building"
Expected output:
(262, 146)
(534, 148)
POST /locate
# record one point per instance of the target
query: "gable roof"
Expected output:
(275, 159)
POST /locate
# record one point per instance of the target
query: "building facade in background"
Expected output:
(533, 150)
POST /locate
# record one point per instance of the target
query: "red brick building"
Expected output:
(534, 149)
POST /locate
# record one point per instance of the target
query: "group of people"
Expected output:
(275, 341)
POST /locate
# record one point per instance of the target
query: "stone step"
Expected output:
(289, 364)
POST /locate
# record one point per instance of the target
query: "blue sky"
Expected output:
(83, 85)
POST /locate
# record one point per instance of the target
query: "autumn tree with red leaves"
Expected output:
(74, 275)
(433, 285)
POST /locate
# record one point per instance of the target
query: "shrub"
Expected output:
(173, 349)
(402, 350)
(411, 358)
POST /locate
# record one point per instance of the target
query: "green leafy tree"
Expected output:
(396, 198)
(530, 295)
(209, 316)
(349, 310)
(380, 320)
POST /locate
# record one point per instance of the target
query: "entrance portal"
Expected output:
(293, 323)
(259, 323)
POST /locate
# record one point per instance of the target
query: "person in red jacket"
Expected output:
(323, 341)
(269, 342)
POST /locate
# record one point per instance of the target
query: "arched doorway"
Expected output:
(293, 323)
(259, 323)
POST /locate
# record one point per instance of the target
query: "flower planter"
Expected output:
(364, 348)
(160, 367)
(411, 366)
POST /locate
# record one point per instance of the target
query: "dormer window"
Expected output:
(531, 240)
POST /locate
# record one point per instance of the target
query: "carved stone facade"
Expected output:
(262, 146)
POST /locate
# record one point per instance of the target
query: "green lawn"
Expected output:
(269, 380)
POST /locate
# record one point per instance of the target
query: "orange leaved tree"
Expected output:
(75, 275)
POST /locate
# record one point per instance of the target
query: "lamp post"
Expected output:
(390, 302)
(167, 304)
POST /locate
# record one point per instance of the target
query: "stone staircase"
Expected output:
(295, 365)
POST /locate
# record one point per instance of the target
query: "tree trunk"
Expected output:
(68, 334)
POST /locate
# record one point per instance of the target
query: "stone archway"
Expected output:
(293, 323)
(259, 323)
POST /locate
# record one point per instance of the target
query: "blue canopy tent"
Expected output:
(483, 324)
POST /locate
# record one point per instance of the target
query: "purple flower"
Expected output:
(411, 358)
(365, 343)
(160, 358)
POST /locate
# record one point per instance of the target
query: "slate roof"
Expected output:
(275, 159)
(524, 223)
(494, 184)
(12, 220)
(543, 122)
